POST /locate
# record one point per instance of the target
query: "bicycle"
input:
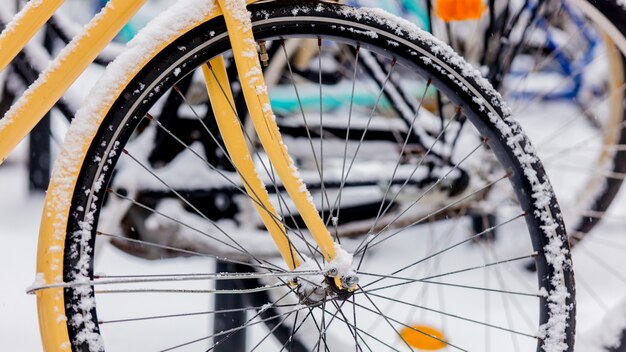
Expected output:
(110, 135)
(564, 45)
(564, 51)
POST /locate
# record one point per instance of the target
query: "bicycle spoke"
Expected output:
(369, 120)
(229, 332)
(386, 318)
(203, 233)
(295, 329)
(304, 120)
(337, 203)
(505, 298)
(183, 315)
(193, 291)
(319, 69)
(345, 320)
(383, 213)
(111, 280)
(365, 242)
(355, 323)
(401, 154)
(439, 283)
(282, 321)
(423, 292)
(206, 128)
(357, 331)
(360, 332)
(422, 159)
(189, 252)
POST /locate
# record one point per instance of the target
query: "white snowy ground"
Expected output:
(19, 219)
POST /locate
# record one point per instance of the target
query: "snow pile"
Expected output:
(608, 334)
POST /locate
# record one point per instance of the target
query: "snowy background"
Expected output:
(20, 213)
(19, 219)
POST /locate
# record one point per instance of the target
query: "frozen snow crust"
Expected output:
(188, 13)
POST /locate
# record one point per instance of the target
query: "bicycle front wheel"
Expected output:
(157, 205)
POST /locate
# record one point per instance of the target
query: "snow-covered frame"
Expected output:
(63, 71)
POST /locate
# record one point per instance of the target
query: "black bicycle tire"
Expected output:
(546, 271)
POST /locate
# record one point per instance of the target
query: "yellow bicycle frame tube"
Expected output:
(23, 27)
(228, 123)
(63, 71)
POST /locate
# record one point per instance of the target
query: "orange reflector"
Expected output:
(423, 337)
(459, 10)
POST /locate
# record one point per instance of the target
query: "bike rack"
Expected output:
(39, 160)
(231, 320)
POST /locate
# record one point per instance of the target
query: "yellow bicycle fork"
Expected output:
(262, 117)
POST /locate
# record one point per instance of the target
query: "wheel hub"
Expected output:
(329, 287)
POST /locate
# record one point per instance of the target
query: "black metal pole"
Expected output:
(39, 156)
(231, 320)
(39, 159)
